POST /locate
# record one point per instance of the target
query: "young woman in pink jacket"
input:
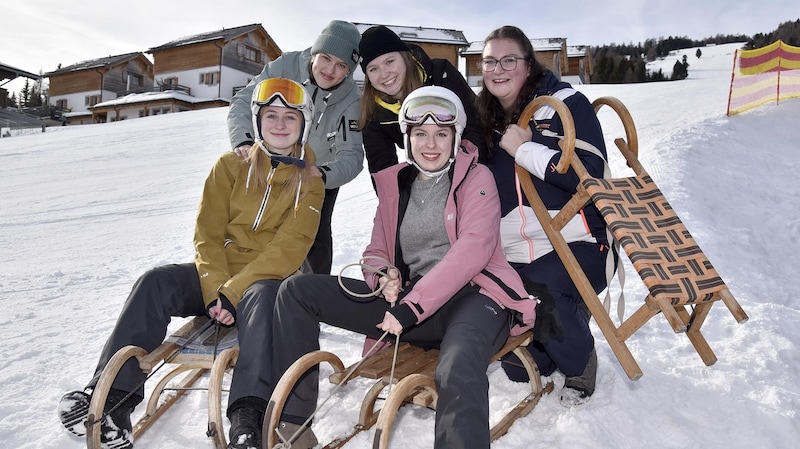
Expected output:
(446, 282)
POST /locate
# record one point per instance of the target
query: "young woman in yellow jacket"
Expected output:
(257, 220)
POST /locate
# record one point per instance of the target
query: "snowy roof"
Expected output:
(421, 34)
(225, 34)
(146, 97)
(10, 72)
(98, 63)
(577, 51)
(539, 44)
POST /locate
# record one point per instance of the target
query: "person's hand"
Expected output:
(390, 324)
(390, 285)
(219, 313)
(513, 138)
(316, 172)
(242, 150)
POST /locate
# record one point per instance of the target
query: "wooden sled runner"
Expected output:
(193, 362)
(682, 283)
(414, 374)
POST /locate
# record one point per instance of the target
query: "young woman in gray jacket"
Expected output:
(326, 71)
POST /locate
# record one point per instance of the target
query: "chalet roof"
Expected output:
(577, 51)
(418, 34)
(539, 44)
(8, 72)
(99, 63)
(224, 34)
(146, 97)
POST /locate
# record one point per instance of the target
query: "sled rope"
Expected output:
(362, 263)
(166, 360)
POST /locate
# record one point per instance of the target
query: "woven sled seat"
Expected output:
(659, 246)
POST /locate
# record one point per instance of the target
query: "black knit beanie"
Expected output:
(377, 41)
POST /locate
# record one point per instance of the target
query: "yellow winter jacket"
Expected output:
(246, 234)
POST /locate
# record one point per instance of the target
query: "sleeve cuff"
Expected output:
(404, 315)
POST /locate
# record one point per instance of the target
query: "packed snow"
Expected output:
(87, 209)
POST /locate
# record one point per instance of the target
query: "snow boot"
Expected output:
(73, 409)
(245, 430)
(578, 389)
(306, 439)
(115, 428)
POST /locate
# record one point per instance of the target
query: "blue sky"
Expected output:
(37, 36)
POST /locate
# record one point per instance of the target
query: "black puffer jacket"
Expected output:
(382, 132)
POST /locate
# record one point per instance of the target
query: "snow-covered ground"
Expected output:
(87, 209)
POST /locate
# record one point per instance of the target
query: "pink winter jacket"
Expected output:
(472, 219)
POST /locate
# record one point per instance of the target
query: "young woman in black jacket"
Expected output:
(392, 70)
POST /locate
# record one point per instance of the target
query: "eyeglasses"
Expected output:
(508, 63)
(291, 93)
(419, 110)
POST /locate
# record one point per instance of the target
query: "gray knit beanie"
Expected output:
(339, 39)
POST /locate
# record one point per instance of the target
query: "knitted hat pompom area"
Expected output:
(377, 41)
(340, 39)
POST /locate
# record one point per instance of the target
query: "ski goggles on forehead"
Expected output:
(289, 92)
(420, 109)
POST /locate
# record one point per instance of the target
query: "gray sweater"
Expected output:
(423, 237)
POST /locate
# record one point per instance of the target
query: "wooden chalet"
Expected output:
(216, 64)
(579, 64)
(79, 87)
(194, 72)
(197, 72)
(551, 52)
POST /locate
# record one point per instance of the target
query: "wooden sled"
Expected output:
(193, 362)
(414, 376)
(682, 283)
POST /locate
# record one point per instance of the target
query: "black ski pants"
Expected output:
(468, 330)
(570, 352)
(320, 257)
(174, 290)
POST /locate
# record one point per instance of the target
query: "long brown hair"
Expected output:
(490, 112)
(412, 80)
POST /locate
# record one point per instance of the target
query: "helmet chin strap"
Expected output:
(433, 174)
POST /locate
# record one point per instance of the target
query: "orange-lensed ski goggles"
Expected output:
(291, 93)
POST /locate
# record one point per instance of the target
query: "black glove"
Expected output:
(547, 324)
(227, 305)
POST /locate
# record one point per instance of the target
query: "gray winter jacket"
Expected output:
(334, 137)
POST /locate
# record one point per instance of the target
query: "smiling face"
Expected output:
(505, 84)
(431, 146)
(280, 128)
(387, 74)
(328, 70)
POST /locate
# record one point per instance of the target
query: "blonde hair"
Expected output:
(260, 165)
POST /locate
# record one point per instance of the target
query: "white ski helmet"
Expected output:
(290, 94)
(432, 104)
